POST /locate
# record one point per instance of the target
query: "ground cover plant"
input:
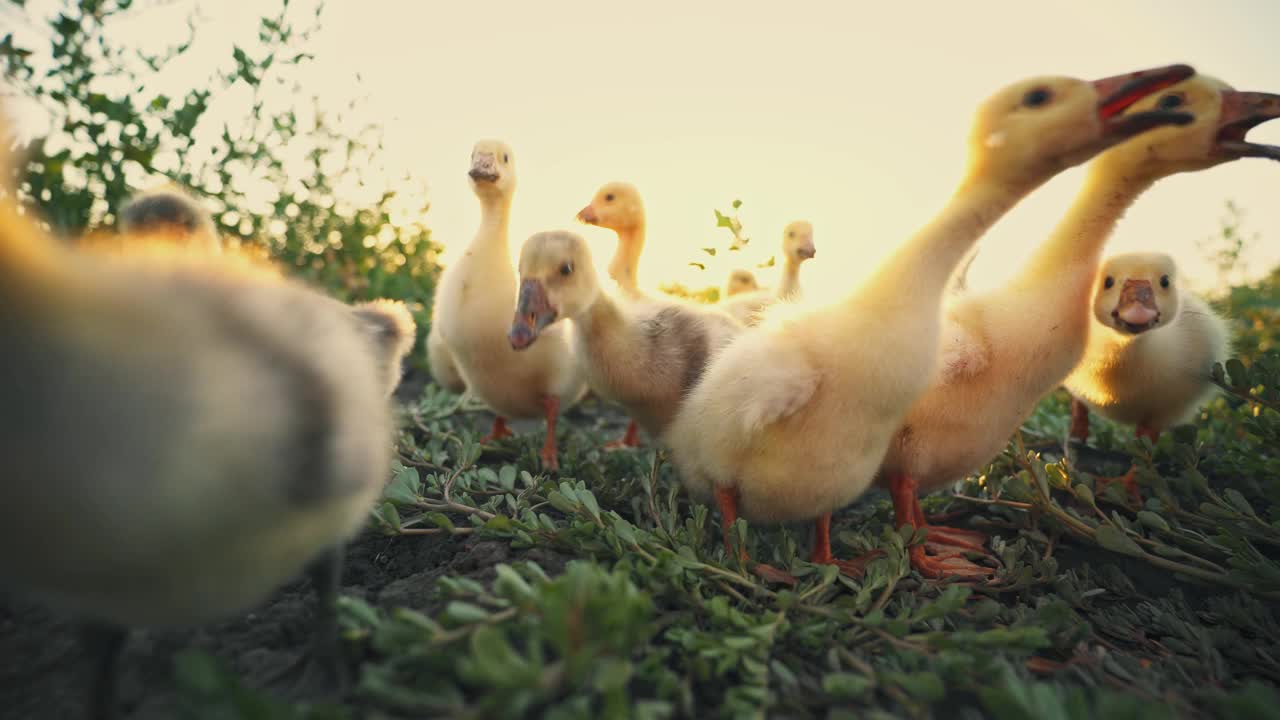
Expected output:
(485, 588)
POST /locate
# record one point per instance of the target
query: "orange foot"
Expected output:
(769, 573)
(727, 499)
(968, 540)
(942, 555)
(821, 553)
(549, 454)
(629, 439)
(498, 431)
(1128, 480)
(946, 564)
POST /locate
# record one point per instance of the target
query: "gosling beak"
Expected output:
(484, 167)
(1136, 312)
(806, 252)
(1241, 112)
(588, 215)
(533, 313)
(1119, 93)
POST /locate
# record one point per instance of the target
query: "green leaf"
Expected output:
(924, 686)
(1152, 520)
(1116, 541)
(465, 613)
(846, 686)
(1239, 502)
(441, 521)
(390, 516)
(1239, 374)
(405, 487)
(198, 671)
(1084, 494)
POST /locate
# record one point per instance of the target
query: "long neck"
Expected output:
(1075, 246)
(917, 273)
(1049, 325)
(600, 315)
(790, 278)
(626, 259)
(495, 219)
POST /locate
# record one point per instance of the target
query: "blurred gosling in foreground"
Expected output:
(229, 428)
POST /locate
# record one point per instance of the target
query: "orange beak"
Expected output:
(1119, 93)
(588, 215)
(533, 313)
(1241, 112)
(1136, 311)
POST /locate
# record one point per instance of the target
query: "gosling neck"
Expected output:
(1069, 259)
(495, 220)
(790, 284)
(917, 274)
(599, 313)
(624, 266)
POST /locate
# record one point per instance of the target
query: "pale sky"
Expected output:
(849, 114)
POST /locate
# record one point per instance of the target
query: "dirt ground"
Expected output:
(43, 674)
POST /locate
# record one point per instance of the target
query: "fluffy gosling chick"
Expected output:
(1151, 348)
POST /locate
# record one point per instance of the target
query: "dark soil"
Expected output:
(44, 674)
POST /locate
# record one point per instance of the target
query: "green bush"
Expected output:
(111, 137)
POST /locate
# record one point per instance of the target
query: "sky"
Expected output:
(849, 114)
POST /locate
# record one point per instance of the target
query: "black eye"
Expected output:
(1170, 101)
(1110, 281)
(608, 198)
(1164, 281)
(504, 157)
(566, 269)
(1037, 97)
(791, 234)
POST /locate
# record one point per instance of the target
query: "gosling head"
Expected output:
(797, 242)
(740, 281)
(1136, 292)
(169, 213)
(557, 279)
(616, 206)
(1222, 118)
(1035, 128)
(493, 169)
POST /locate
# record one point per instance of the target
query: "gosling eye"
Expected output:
(1172, 100)
(791, 234)
(1037, 97)
(608, 198)
(1164, 281)
(1109, 282)
(566, 269)
(505, 158)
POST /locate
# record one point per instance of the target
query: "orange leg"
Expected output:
(1129, 480)
(727, 499)
(629, 439)
(1148, 432)
(550, 461)
(497, 432)
(944, 562)
(970, 540)
(821, 553)
(1079, 420)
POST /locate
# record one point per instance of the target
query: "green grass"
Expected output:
(1100, 610)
